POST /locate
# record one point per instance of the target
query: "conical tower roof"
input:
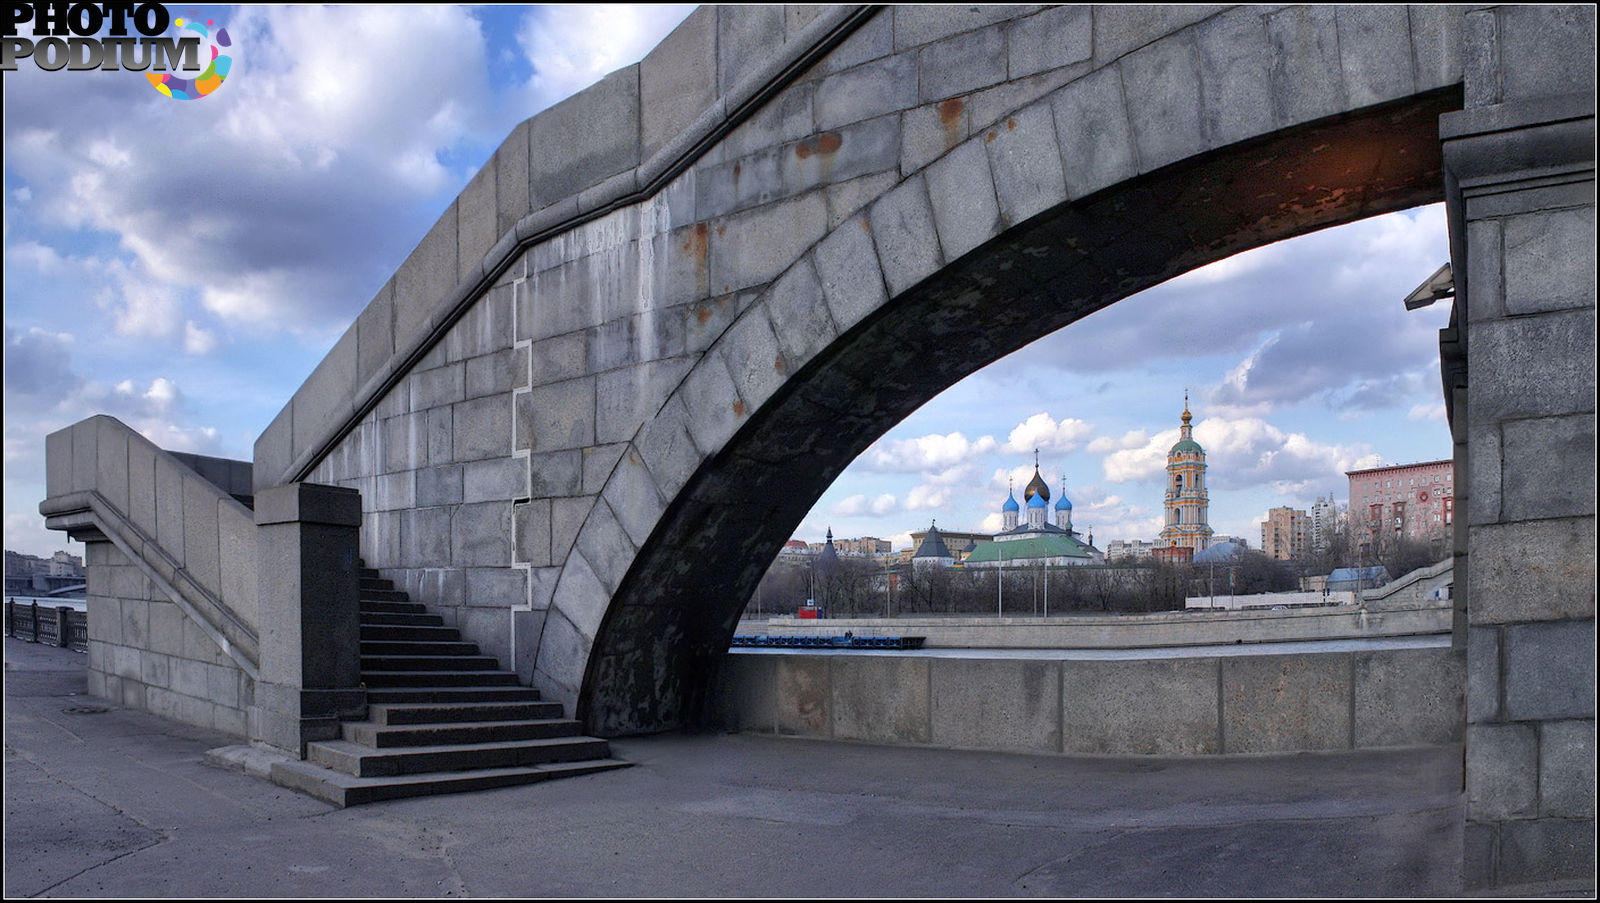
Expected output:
(933, 545)
(829, 555)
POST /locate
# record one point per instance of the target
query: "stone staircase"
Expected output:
(441, 718)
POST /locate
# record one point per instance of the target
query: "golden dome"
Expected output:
(1036, 486)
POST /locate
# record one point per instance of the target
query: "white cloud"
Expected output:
(1344, 338)
(949, 459)
(926, 497)
(38, 370)
(43, 258)
(1427, 411)
(926, 453)
(1043, 432)
(572, 47)
(140, 305)
(197, 340)
(1106, 444)
(853, 506)
(284, 199)
(1141, 463)
(1244, 452)
(860, 504)
(959, 475)
(25, 533)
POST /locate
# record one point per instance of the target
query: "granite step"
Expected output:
(390, 736)
(408, 632)
(417, 647)
(373, 606)
(459, 712)
(429, 663)
(400, 619)
(448, 695)
(441, 717)
(346, 790)
(366, 762)
(434, 679)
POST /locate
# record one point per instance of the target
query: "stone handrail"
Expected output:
(1407, 581)
(347, 385)
(192, 540)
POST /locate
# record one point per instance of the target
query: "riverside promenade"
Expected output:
(107, 801)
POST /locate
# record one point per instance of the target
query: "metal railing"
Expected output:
(60, 625)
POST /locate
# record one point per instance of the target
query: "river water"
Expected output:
(1430, 641)
(50, 602)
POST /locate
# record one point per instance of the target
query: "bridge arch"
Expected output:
(1202, 139)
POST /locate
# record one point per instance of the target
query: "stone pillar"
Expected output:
(309, 597)
(1519, 163)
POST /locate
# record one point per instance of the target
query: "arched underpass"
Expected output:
(675, 611)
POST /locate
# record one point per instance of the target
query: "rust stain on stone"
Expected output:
(1011, 124)
(738, 409)
(990, 137)
(950, 117)
(696, 248)
(736, 167)
(825, 143)
(780, 365)
(702, 313)
(696, 244)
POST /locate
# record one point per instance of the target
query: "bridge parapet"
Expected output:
(194, 611)
(1200, 704)
(171, 568)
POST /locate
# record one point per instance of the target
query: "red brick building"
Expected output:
(1411, 501)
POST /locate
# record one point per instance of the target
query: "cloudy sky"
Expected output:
(1299, 360)
(183, 265)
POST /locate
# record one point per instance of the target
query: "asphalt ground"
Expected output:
(106, 801)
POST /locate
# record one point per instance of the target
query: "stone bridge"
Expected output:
(669, 311)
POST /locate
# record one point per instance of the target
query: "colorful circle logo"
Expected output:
(208, 81)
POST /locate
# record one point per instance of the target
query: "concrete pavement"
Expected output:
(106, 801)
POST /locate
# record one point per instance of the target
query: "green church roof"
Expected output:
(1054, 545)
(1186, 445)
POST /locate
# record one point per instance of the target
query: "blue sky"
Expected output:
(184, 265)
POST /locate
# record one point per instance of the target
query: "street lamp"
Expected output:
(1000, 583)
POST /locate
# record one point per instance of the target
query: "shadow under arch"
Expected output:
(656, 653)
